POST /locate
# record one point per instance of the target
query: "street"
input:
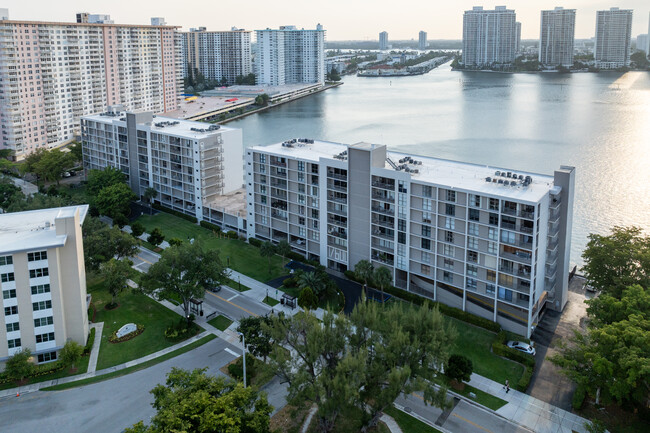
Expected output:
(233, 304)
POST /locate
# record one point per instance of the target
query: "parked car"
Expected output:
(522, 347)
(590, 288)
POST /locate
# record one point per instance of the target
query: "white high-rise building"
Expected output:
(518, 37)
(422, 40)
(217, 55)
(556, 37)
(489, 36)
(642, 43)
(383, 40)
(613, 38)
(489, 241)
(54, 73)
(290, 56)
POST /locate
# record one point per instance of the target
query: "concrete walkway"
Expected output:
(308, 418)
(390, 423)
(94, 352)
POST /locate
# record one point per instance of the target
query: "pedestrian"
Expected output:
(507, 386)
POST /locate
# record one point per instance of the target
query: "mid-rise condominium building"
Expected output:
(54, 73)
(518, 37)
(613, 38)
(43, 282)
(556, 37)
(290, 56)
(217, 55)
(190, 164)
(489, 36)
(494, 242)
(422, 40)
(642, 43)
(383, 40)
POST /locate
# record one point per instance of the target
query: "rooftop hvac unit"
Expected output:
(501, 181)
(488, 179)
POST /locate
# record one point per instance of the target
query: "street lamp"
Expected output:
(239, 281)
(243, 347)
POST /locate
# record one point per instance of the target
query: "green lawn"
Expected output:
(134, 308)
(482, 397)
(237, 286)
(220, 322)
(408, 423)
(242, 257)
(270, 301)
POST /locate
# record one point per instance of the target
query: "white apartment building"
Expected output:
(52, 73)
(489, 36)
(217, 55)
(422, 40)
(489, 241)
(290, 56)
(613, 38)
(43, 282)
(643, 43)
(190, 164)
(518, 37)
(383, 41)
(556, 36)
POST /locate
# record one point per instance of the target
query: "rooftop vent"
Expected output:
(488, 179)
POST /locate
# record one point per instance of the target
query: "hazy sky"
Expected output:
(343, 19)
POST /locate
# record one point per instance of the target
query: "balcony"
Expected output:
(383, 197)
(383, 223)
(386, 211)
(383, 185)
(336, 176)
(332, 197)
(519, 256)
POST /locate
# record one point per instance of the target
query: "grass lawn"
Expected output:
(482, 397)
(82, 367)
(408, 423)
(237, 286)
(134, 308)
(138, 367)
(270, 301)
(220, 322)
(349, 421)
(244, 258)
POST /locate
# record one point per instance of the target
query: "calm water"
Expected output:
(599, 123)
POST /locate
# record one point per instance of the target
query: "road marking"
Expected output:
(472, 423)
(234, 305)
(144, 260)
(232, 297)
(231, 352)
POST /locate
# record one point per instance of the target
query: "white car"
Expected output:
(522, 347)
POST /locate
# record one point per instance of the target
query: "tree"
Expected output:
(120, 221)
(383, 278)
(99, 179)
(197, 402)
(18, 366)
(115, 273)
(114, 200)
(174, 242)
(137, 229)
(314, 281)
(8, 193)
(283, 248)
(640, 59)
(364, 271)
(71, 353)
(156, 237)
(49, 165)
(258, 339)
(149, 194)
(459, 368)
(307, 299)
(101, 243)
(617, 261)
(185, 272)
(267, 249)
(333, 75)
(76, 150)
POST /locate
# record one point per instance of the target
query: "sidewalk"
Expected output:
(528, 411)
(94, 353)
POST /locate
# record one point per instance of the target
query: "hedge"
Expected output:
(39, 370)
(578, 398)
(91, 340)
(255, 242)
(297, 257)
(523, 383)
(174, 212)
(232, 234)
(210, 226)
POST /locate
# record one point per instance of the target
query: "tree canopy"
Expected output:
(102, 243)
(258, 339)
(48, 165)
(115, 273)
(114, 200)
(18, 367)
(196, 402)
(99, 179)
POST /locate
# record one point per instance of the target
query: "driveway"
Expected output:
(548, 383)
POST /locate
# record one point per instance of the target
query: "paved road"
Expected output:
(143, 260)
(233, 304)
(112, 405)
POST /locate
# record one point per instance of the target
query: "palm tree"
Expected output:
(363, 270)
(268, 250)
(149, 194)
(313, 280)
(283, 248)
(383, 278)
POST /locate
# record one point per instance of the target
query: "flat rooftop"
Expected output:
(168, 125)
(258, 89)
(205, 105)
(24, 231)
(232, 203)
(443, 172)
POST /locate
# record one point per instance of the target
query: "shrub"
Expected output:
(91, 340)
(255, 242)
(137, 229)
(236, 369)
(156, 237)
(215, 228)
(578, 398)
(120, 220)
(174, 212)
(349, 274)
(71, 353)
(113, 338)
(459, 368)
(290, 282)
(296, 256)
(174, 242)
(523, 383)
(232, 234)
(182, 330)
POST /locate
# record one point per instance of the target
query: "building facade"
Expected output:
(383, 40)
(490, 241)
(189, 163)
(290, 56)
(642, 43)
(556, 36)
(217, 55)
(613, 38)
(43, 282)
(54, 73)
(518, 37)
(489, 36)
(422, 40)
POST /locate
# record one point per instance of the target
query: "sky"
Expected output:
(343, 19)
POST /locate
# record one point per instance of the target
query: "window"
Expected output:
(41, 288)
(425, 269)
(492, 234)
(474, 200)
(263, 158)
(13, 343)
(448, 264)
(401, 237)
(450, 223)
(494, 204)
(5, 278)
(508, 237)
(301, 177)
(42, 305)
(505, 294)
(474, 214)
(426, 231)
(401, 225)
(471, 284)
(36, 273)
(43, 338)
(426, 204)
(426, 244)
(447, 277)
(472, 229)
(47, 357)
(492, 247)
(43, 321)
(449, 236)
(450, 209)
(448, 250)
(426, 191)
(301, 165)
(426, 217)
(489, 289)
(451, 195)
(38, 255)
(472, 256)
(494, 219)
(472, 270)
(6, 260)
(13, 327)
(491, 275)
(426, 257)
(8, 294)
(472, 243)
(9, 311)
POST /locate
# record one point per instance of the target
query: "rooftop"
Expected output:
(446, 173)
(233, 203)
(24, 231)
